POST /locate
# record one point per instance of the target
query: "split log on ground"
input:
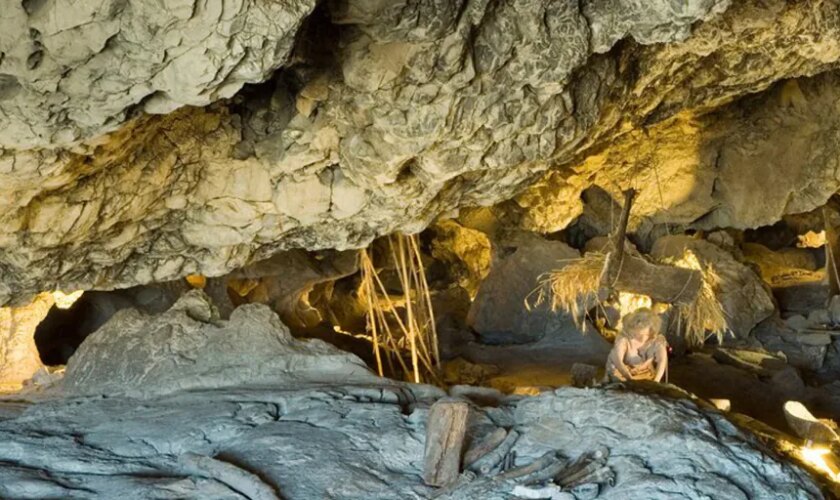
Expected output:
(632, 273)
(445, 431)
(550, 460)
(485, 446)
(489, 461)
(587, 471)
(806, 425)
(592, 475)
(584, 466)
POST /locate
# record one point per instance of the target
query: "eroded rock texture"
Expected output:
(19, 358)
(349, 441)
(384, 116)
(189, 347)
(70, 71)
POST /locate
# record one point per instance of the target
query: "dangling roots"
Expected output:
(415, 328)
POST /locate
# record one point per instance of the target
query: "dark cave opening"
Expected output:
(63, 330)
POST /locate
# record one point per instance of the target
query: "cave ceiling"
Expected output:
(144, 141)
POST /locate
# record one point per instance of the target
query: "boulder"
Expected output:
(830, 370)
(188, 347)
(802, 350)
(745, 299)
(499, 314)
(451, 307)
(776, 265)
(802, 294)
(797, 322)
(819, 317)
(465, 251)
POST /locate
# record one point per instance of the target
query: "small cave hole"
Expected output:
(63, 330)
(66, 326)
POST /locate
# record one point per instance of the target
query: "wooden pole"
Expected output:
(831, 220)
(615, 255)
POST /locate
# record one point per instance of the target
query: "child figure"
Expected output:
(640, 352)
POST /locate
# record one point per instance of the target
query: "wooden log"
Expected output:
(806, 426)
(445, 431)
(485, 446)
(489, 461)
(537, 465)
(662, 283)
(615, 256)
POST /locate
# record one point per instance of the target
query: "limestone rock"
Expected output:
(830, 369)
(407, 111)
(773, 265)
(797, 322)
(451, 307)
(819, 317)
(285, 280)
(744, 165)
(742, 294)
(19, 359)
(466, 251)
(499, 313)
(187, 347)
(71, 71)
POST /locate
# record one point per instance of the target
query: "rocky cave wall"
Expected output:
(381, 116)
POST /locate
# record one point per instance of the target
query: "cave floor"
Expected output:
(532, 368)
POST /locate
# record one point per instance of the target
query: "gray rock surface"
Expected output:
(803, 350)
(351, 441)
(405, 111)
(188, 347)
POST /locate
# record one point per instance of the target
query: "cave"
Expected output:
(349, 249)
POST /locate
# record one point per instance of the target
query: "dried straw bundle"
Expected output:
(704, 316)
(572, 288)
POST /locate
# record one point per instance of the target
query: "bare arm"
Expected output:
(661, 358)
(617, 358)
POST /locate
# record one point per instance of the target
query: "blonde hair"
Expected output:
(640, 319)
